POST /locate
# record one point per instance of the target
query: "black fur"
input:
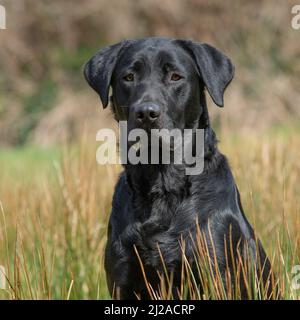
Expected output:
(157, 205)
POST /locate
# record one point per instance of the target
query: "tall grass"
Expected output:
(54, 212)
(202, 278)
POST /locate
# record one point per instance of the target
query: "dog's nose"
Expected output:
(147, 112)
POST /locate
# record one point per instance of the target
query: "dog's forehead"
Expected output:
(150, 50)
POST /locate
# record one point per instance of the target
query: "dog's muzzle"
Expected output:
(147, 114)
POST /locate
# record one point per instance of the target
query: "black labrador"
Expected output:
(160, 83)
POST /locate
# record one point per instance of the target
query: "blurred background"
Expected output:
(44, 99)
(54, 197)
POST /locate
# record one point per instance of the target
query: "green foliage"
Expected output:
(42, 99)
(36, 105)
(71, 62)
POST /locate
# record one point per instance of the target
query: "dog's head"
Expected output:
(158, 82)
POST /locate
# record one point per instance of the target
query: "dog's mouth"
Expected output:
(152, 137)
(147, 127)
(154, 140)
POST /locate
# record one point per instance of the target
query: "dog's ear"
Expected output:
(216, 70)
(99, 69)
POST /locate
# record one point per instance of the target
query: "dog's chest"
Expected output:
(161, 197)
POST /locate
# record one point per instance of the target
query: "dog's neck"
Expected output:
(164, 187)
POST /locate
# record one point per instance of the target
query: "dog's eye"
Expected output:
(129, 77)
(175, 77)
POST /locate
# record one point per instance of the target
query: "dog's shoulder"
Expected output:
(122, 191)
(121, 205)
